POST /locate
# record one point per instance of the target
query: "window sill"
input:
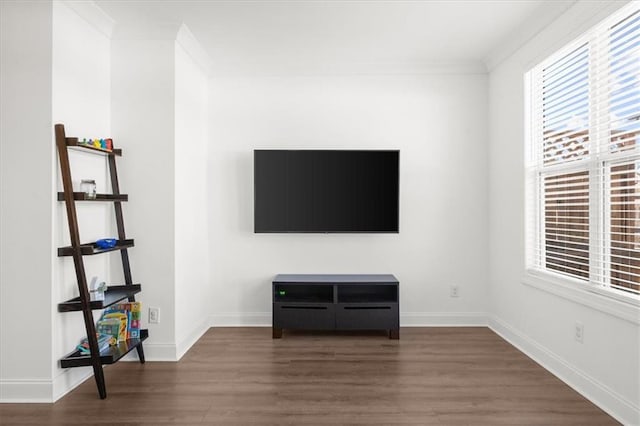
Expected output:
(626, 308)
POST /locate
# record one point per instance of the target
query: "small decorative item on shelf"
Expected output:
(103, 144)
(106, 243)
(96, 290)
(88, 186)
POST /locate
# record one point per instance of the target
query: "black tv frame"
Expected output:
(397, 231)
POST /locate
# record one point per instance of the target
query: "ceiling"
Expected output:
(279, 35)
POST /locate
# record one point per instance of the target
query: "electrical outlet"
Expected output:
(454, 291)
(154, 315)
(578, 333)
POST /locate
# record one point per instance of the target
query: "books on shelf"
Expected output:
(134, 310)
(109, 326)
(118, 323)
(130, 315)
(104, 341)
(121, 318)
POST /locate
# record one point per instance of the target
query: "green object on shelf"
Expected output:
(282, 292)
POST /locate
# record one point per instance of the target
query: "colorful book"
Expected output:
(104, 341)
(124, 320)
(133, 310)
(110, 326)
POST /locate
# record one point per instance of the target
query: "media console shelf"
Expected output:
(336, 302)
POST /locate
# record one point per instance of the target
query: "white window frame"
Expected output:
(593, 294)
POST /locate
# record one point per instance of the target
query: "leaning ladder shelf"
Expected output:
(77, 250)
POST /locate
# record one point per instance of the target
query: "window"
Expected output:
(583, 159)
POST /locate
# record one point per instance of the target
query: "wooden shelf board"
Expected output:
(73, 143)
(108, 356)
(91, 248)
(113, 295)
(81, 196)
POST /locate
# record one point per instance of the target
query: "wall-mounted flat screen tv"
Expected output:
(326, 191)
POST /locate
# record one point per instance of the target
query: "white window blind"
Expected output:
(583, 165)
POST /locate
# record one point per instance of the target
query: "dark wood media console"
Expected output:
(336, 302)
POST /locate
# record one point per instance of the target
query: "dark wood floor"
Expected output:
(240, 376)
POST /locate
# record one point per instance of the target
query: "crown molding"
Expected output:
(315, 68)
(146, 31)
(547, 13)
(167, 31)
(194, 49)
(93, 14)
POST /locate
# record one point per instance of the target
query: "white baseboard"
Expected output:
(608, 400)
(26, 391)
(241, 319)
(70, 379)
(168, 351)
(154, 352)
(443, 319)
(43, 391)
(185, 344)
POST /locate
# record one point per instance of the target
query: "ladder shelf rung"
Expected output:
(74, 143)
(113, 295)
(108, 356)
(92, 248)
(81, 196)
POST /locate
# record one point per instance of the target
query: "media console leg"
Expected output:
(277, 333)
(394, 333)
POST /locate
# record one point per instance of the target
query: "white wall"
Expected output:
(153, 102)
(192, 286)
(142, 110)
(159, 101)
(157, 87)
(82, 102)
(605, 368)
(439, 123)
(44, 82)
(26, 199)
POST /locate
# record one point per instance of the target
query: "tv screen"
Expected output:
(326, 191)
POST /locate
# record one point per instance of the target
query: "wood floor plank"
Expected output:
(241, 376)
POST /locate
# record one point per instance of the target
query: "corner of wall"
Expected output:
(69, 380)
(549, 11)
(193, 48)
(93, 14)
(191, 338)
